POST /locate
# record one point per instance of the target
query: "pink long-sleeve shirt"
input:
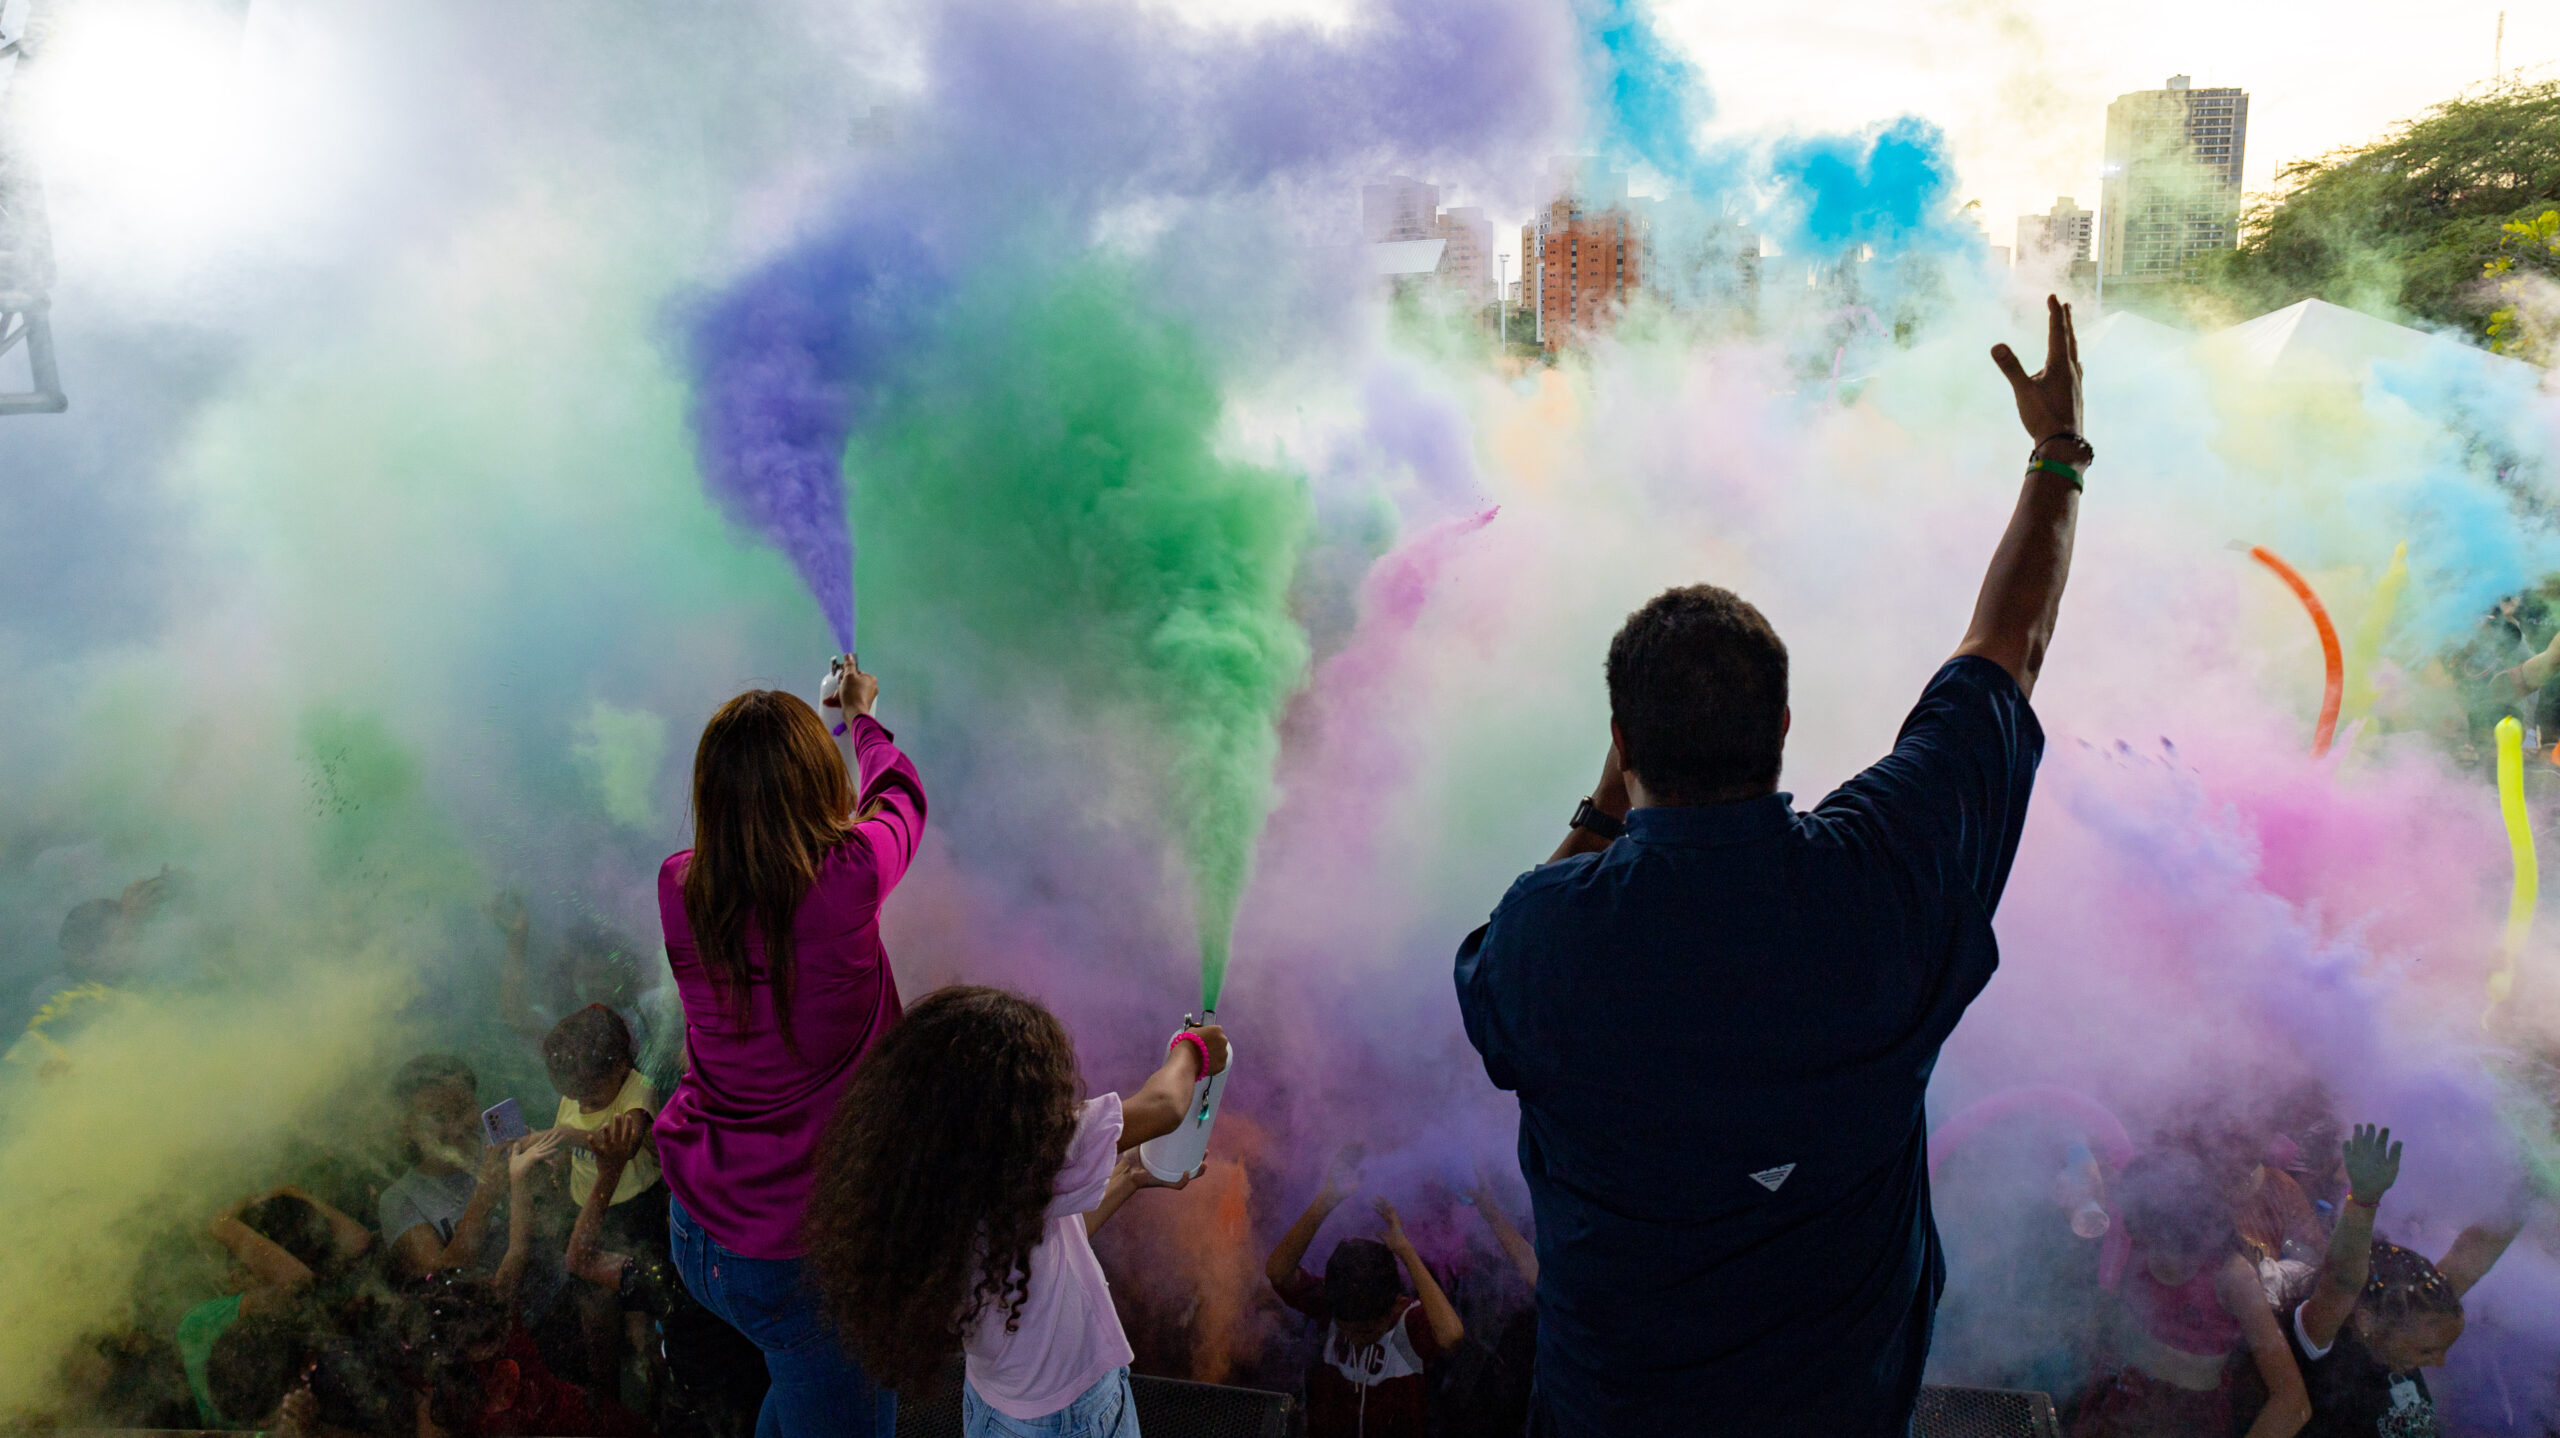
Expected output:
(738, 1139)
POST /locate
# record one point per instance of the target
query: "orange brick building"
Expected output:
(1585, 257)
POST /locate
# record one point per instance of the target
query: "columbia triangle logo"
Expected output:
(1770, 1178)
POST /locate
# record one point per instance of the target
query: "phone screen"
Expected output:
(503, 1122)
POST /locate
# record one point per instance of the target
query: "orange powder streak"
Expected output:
(2335, 684)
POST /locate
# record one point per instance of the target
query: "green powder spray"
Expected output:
(1047, 479)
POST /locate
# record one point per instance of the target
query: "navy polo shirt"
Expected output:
(1721, 1029)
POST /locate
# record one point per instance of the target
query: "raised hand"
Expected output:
(1343, 1174)
(617, 1141)
(849, 689)
(2373, 1164)
(1214, 1038)
(507, 911)
(530, 1150)
(2049, 399)
(1394, 1236)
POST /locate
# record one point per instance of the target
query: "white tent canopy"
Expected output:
(2316, 342)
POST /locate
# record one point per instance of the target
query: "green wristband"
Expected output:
(2055, 466)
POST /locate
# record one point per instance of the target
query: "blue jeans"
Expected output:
(1106, 1410)
(819, 1390)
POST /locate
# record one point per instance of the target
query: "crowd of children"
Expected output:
(525, 1286)
(520, 1281)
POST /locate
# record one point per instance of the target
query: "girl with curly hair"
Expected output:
(2383, 1313)
(956, 1195)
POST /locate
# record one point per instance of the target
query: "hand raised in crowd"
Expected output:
(1394, 1237)
(2049, 399)
(527, 1152)
(849, 689)
(617, 1141)
(507, 911)
(1343, 1174)
(2373, 1164)
(493, 1162)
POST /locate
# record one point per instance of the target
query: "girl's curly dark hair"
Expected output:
(936, 1176)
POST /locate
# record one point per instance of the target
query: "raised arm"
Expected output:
(522, 1156)
(2014, 616)
(613, 1144)
(348, 1236)
(1158, 1107)
(1282, 1265)
(418, 1252)
(274, 1274)
(2475, 1251)
(1446, 1329)
(507, 911)
(1127, 1178)
(1609, 800)
(2373, 1165)
(1515, 1245)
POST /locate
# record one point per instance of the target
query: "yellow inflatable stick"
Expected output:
(2528, 886)
(2371, 630)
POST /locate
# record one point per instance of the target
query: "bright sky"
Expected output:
(2022, 86)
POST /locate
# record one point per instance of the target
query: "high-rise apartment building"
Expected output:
(1466, 266)
(2171, 187)
(1398, 208)
(2060, 236)
(1401, 209)
(1586, 254)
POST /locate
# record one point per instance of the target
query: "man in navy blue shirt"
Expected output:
(1720, 1014)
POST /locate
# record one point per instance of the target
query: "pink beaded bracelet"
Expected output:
(1196, 1042)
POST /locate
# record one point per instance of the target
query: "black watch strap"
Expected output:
(1592, 818)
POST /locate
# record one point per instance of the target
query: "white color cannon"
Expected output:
(1175, 1156)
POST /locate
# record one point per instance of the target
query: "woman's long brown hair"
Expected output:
(770, 798)
(934, 1182)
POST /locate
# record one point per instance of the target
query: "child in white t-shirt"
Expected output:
(955, 1199)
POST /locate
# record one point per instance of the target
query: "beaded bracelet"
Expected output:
(1196, 1042)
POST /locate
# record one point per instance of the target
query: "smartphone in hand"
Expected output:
(502, 1122)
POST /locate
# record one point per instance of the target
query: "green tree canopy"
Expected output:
(2407, 226)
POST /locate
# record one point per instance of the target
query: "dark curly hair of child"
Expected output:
(935, 1178)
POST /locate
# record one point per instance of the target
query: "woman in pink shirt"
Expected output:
(955, 1203)
(773, 928)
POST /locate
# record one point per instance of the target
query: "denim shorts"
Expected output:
(1106, 1410)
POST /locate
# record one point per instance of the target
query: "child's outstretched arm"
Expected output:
(522, 1156)
(1515, 1246)
(1446, 1330)
(587, 1257)
(2476, 1250)
(1158, 1107)
(1126, 1179)
(1282, 1266)
(2373, 1165)
(2288, 1401)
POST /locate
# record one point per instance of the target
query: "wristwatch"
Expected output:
(1591, 818)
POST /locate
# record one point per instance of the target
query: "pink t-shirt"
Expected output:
(738, 1139)
(1070, 1334)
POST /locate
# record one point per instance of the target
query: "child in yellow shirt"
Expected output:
(594, 1066)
